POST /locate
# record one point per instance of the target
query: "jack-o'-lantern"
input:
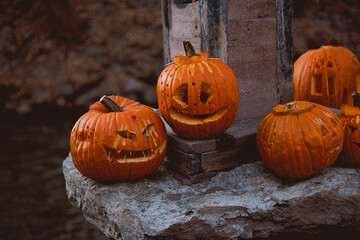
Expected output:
(327, 76)
(299, 139)
(350, 117)
(198, 96)
(118, 140)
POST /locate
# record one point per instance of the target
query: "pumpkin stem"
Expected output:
(189, 49)
(356, 98)
(110, 104)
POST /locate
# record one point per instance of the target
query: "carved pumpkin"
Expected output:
(198, 97)
(112, 143)
(327, 76)
(299, 139)
(350, 117)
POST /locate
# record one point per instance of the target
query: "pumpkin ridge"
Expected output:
(326, 160)
(310, 159)
(108, 118)
(294, 164)
(300, 156)
(305, 158)
(94, 155)
(80, 129)
(286, 148)
(90, 149)
(213, 82)
(73, 138)
(271, 158)
(166, 87)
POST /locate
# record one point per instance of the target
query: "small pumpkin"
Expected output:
(299, 139)
(350, 117)
(327, 76)
(118, 140)
(198, 96)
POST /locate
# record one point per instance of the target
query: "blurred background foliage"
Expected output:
(70, 52)
(326, 22)
(59, 56)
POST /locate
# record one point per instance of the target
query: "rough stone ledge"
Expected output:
(245, 202)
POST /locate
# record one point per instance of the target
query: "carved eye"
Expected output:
(207, 92)
(353, 129)
(128, 135)
(181, 95)
(334, 123)
(324, 131)
(147, 132)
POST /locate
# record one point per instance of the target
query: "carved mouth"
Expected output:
(197, 118)
(332, 150)
(129, 156)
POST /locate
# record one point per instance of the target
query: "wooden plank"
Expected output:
(229, 158)
(166, 24)
(187, 163)
(224, 141)
(284, 19)
(219, 160)
(237, 132)
(231, 145)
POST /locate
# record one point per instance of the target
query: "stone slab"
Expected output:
(246, 202)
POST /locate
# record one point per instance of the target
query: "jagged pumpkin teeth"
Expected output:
(117, 150)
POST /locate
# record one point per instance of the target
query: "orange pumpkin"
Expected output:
(198, 97)
(327, 76)
(299, 139)
(350, 117)
(112, 143)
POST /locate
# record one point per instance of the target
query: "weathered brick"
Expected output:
(252, 30)
(256, 75)
(250, 9)
(262, 102)
(252, 40)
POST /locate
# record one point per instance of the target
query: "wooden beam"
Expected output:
(166, 16)
(285, 69)
(214, 28)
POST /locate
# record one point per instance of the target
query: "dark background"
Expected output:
(59, 56)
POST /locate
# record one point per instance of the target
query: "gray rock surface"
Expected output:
(246, 202)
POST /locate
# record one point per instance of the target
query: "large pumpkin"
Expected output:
(112, 143)
(299, 139)
(350, 117)
(197, 96)
(327, 76)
